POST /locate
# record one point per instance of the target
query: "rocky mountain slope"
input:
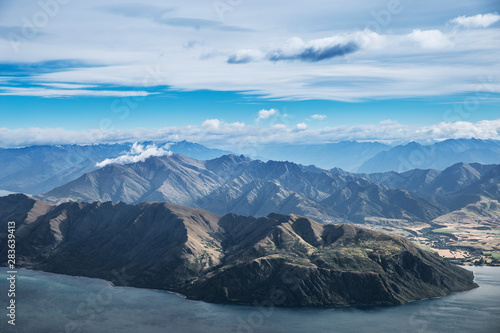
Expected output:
(432, 182)
(236, 184)
(455, 187)
(287, 260)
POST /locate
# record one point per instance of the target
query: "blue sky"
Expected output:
(220, 72)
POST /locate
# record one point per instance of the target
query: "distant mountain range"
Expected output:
(237, 184)
(439, 155)
(286, 260)
(455, 187)
(38, 169)
(370, 157)
(347, 155)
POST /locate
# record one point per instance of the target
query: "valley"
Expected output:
(453, 212)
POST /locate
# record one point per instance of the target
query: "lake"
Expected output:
(57, 303)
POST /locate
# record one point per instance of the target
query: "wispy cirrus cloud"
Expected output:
(477, 21)
(331, 58)
(197, 24)
(12, 32)
(64, 92)
(166, 15)
(137, 10)
(63, 85)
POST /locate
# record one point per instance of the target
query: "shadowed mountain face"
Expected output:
(285, 260)
(438, 156)
(236, 184)
(39, 169)
(455, 187)
(487, 186)
(362, 198)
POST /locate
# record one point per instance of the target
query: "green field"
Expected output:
(446, 231)
(425, 248)
(494, 255)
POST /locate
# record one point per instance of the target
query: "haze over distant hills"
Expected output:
(455, 187)
(439, 155)
(371, 157)
(347, 155)
(288, 260)
(236, 184)
(38, 169)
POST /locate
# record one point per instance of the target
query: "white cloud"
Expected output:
(296, 49)
(265, 114)
(212, 124)
(215, 127)
(301, 126)
(280, 126)
(234, 136)
(429, 39)
(138, 153)
(477, 21)
(314, 50)
(318, 116)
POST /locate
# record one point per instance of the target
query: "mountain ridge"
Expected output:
(239, 185)
(438, 155)
(230, 259)
(38, 169)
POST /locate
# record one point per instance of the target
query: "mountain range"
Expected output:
(347, 155)
(283, 260)
(237, 184)
(374, 157)
(38, 169)
(439, 155)
(455, 187)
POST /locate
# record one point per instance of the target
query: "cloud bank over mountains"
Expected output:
(239, 136)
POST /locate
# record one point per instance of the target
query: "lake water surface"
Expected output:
(57, 303)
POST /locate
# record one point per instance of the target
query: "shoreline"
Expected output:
(360, 306)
